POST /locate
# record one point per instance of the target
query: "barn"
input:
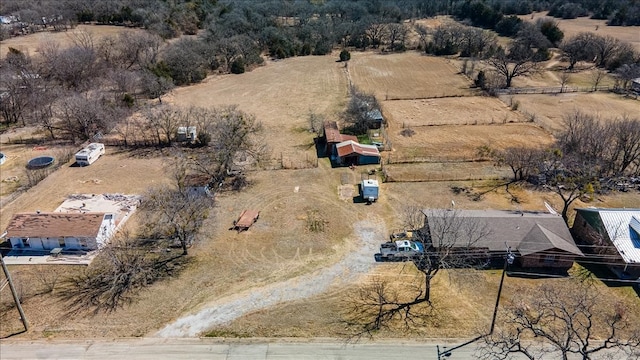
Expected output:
(351, 152)
(332, 137)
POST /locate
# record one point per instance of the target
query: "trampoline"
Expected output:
(40, 162)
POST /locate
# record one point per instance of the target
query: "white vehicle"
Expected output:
(90, 154)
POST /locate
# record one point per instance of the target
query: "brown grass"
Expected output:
(281, 95)
(476, 110)
(550, 109)
(29, 44)
(573, 27)
(280, 246)
(409, 75)
(436, 142)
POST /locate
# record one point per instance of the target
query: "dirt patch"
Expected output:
(358, 261)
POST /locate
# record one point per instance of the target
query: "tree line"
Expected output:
(588, 152)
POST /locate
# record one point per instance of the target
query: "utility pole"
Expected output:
(508, 260)
(16, 299)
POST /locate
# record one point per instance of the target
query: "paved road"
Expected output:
(216, 349)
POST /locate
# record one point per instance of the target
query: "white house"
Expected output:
(67, 231)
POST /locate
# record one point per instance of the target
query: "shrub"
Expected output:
(345, 55)
(237, 66)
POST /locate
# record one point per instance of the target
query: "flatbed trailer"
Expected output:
(245, 220)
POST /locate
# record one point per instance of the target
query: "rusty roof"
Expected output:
(332, 134)
(349, 147)
(55, 225)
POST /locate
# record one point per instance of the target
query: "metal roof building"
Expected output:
(621, 227)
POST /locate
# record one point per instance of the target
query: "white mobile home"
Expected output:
(90, 154)
(67, 231)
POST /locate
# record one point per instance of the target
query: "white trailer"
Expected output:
(90, 154)
(369, 190)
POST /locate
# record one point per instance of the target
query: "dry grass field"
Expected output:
(282, 245)
(549, 110)
(461, 142)
(409, 75)
(475, 110)
(29, 44)
(572, 27)
(281, 94)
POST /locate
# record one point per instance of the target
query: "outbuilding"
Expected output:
(352, 153)
(614, 235)
(332, 137)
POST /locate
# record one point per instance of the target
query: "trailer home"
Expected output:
(89, 154)
(369, 190)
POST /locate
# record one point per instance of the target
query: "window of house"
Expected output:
(61, 242)
(25, 242)
(549, 259)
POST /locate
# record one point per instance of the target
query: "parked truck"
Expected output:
(399, 250)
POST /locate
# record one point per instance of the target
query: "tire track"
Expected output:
(357, 261)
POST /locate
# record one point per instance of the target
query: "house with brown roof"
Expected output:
(65, 231)
(350, 152)
(539, 240)
(332, 137)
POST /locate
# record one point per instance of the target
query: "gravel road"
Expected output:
(224, 310)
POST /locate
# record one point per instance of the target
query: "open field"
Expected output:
(444, 171)
(572, 27)
(475, 110)
(281, 245)
(409, 75)
(550, 109)
(461, 142)
(29, 44)
(281, 95)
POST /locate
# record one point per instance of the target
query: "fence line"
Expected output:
(551, 90)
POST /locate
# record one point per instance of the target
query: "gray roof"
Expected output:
(623, 229)
(526, 232)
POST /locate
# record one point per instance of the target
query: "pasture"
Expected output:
(304, 226)
(29, 44)
(549, 110)
(572, 27)
(409, 75)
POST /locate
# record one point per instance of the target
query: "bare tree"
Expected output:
(175, 215)
(358, 110)
(164, 120)
(596, 77)
(376, 33)
(397, 35)
(579, 48)
(569, 319)
(519, 61)
(235, 136)
(523, 161)
(447, 239)
(120, 270)
(564, 80)
(570, 177)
